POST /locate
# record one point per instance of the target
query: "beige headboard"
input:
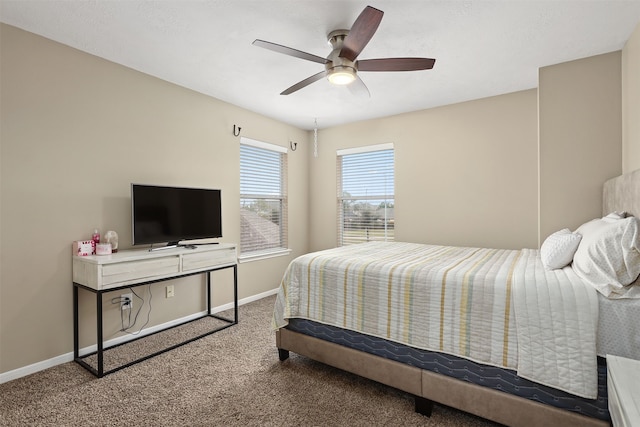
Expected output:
(622, 193)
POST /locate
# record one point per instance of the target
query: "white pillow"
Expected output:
(557, 250)
(608, 256)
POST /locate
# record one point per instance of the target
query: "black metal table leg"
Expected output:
(235, 292)
(99, 353)
(76, 344)
(208, 292)
(99, 335)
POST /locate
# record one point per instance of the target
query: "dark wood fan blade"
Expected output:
(361, 32)
(396, 64)
(289, 51)
(304, 83)
(358, 88)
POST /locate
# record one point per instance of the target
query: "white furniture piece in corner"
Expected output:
(623, 385)
(130, 268)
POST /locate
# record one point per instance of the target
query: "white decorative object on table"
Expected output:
(112, 237)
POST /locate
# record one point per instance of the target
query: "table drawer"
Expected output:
(209, 259)
(112, 274)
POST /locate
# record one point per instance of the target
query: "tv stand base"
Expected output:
(170, 245)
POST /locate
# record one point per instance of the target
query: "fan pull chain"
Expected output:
(315, 139)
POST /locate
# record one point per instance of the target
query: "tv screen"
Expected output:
(171, 214)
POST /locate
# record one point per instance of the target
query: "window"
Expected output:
(365, 194)
(263, 199)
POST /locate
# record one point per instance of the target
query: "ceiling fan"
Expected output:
(342, 65)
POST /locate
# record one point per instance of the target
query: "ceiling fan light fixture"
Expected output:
(341, 67)
(341, 75)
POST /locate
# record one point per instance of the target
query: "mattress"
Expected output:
(493, 377)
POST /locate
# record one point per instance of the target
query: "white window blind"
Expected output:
(365, 194)
(263, 198)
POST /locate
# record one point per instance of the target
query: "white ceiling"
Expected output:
(482, 48)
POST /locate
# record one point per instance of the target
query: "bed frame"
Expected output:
(619, 194)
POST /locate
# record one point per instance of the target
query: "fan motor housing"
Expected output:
(337, 64)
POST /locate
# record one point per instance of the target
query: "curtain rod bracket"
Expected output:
(293, 145)
(234, 130)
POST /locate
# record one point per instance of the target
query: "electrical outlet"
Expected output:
(170, 291)
(126, 301)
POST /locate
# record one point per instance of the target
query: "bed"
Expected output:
(503, 334)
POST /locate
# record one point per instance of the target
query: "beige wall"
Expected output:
(502, 172)
(631, 103)
(76, 131)
(580, 105)
(466, 174)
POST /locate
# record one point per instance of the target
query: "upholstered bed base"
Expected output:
(428, 387)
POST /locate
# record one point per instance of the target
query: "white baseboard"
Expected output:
(68, 357)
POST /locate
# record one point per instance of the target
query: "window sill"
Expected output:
(260, 255)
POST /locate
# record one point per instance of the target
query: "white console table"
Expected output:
(127, 269)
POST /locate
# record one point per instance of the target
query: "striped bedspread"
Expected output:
(454, 300)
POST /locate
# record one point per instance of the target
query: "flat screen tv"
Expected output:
(173, 214)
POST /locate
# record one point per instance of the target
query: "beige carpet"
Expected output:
(231, 378)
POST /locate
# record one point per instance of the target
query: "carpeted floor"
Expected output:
(231, 378)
